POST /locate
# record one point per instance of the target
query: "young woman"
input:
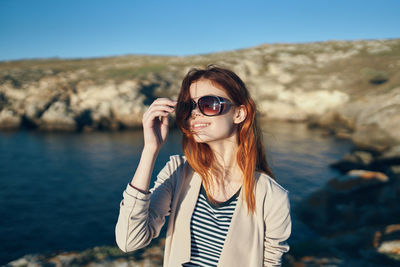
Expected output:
(224, 206)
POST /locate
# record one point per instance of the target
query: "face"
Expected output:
(208, 129)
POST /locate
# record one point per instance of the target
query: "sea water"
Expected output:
(61, 191)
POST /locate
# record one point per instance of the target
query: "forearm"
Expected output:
(132, 231)
(142, 176)
(137, 223)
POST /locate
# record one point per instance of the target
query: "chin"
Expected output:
(199, 139)
(208, 139)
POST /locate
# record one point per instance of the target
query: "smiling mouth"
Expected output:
(199, 126)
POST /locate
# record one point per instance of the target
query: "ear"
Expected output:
(240, 114)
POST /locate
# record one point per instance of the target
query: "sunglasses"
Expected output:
(209, 105)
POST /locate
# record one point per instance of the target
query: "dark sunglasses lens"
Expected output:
(209, 105)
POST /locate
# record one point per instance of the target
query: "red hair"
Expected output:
(250, 155)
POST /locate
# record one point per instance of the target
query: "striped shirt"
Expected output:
(208, 228)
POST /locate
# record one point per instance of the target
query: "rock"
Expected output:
(29, 260)
(9, 119)
(345, 249)
(394, 171)
(95, 257)
(359, 198)
(388, 158)
(377, 120)
(110, 106)
(58, 117)
(358, 247)
(387, 241)
(19, 263)
(391, 247)
(373, 120)
(332, 121)
(327, 58)
(371, 137)
(355, 180)
(355, 160)
(282, 76)
(64, 259)
(299, 60)
(298, 105)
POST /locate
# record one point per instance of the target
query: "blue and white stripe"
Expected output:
(208, 227)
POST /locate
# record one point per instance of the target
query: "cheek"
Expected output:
(218, 130)
(223, 127)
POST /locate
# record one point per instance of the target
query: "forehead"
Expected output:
(206, 87)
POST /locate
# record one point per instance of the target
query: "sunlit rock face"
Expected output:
(351, 84)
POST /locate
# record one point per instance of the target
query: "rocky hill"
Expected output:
(349, 87)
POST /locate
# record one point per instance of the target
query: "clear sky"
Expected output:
(96, 28)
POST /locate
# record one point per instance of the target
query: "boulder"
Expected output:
(357, 199)
(299, 105)
(109, 106)
(377, 120)
(150, 256)
(388, 158)
(355, 180)
(9, 119)
(373, 138)
(355, 160)
(387, 241)
(332, 121)
(58, 117)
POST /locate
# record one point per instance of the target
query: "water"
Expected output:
(61, 191)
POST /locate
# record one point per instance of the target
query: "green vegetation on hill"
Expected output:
(360, 65)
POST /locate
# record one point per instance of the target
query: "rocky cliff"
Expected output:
(350, 88)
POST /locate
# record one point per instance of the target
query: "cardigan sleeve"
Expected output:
(141, 215)
(278, 226)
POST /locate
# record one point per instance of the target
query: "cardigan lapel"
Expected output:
(188, 198)
(241, 237)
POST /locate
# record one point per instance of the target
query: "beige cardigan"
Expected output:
(257, 239)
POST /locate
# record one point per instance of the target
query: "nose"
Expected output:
(196, 111)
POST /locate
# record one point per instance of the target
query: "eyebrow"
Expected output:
(211, 95)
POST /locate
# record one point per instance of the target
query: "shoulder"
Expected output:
(173, 165)
(172, 171)
(267, 187)
(272, 197)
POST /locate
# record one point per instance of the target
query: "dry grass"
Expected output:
(360, 73)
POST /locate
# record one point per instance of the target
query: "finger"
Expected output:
(162, 107)
(165, 101)
(151, 112)
(165, 120)
(155, 114)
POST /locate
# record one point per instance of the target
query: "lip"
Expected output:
(199, 126)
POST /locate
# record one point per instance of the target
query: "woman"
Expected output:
(224, 206)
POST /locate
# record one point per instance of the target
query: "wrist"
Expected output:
(140, 190)
(150, 150)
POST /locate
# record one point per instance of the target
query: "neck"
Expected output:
(225, 154)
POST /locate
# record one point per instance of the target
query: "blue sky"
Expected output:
(96, 28)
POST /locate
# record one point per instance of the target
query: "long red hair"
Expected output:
(250, 155)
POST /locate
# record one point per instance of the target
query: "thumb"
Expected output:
(165, 121)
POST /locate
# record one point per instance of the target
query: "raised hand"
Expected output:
(155, 131)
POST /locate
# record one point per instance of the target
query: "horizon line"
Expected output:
(190, 55)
